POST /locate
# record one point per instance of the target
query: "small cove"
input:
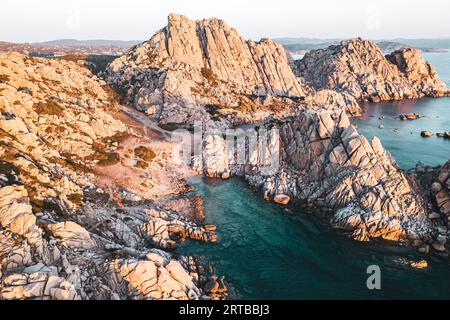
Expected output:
(270, 252)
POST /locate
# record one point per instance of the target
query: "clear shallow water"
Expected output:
(402, 138)
(405, 143)
(269, 252)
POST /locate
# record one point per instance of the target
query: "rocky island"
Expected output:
(93, 207)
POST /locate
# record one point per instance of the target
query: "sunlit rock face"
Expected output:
(204, 70)
(326, 164)
(62, 237)
(52, 112)
(360, 69)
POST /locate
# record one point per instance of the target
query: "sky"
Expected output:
(42, 20)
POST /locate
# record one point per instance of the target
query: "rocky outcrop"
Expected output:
(61, 235)
(325, 164)
(323, 100)
(420, 74)
(54, 116)
(204, 70)
(155, 278)
(436, 184)
(441, 190)
(72, 258)
(360, 69)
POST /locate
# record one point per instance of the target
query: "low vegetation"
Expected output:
(144, 153)
(98, 63)
(107, 158)
(209, 75)
(49, 107)
(142, 164)
(75, 198)
(246, 105)
(73, 57)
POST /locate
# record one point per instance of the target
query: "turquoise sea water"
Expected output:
(270, 252)
(402, 138)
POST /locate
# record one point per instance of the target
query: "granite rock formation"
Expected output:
(62, 235)
(320, 161)
(360, 69)
(203, 70)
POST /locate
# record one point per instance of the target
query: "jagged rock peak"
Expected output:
(196, 63)
(256, 67)
(359, 68)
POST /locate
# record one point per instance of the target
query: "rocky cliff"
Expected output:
(198, 70)
(70, 226)
(360, 69)
(320, 161)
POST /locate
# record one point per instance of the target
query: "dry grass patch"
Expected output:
(49, 107)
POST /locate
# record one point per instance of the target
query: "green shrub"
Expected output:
(118, 137)
(75, 198)
(144, 153)
(209, 75)
(142, 164)
(109, 159)
(73, 57)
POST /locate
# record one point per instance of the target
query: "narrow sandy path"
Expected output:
(163, 177)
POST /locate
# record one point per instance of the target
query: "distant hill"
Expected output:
(443, 43)
(93, 43)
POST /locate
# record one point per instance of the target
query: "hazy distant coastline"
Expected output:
(296, 46)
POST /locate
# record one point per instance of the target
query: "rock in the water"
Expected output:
(422, 264)
(282, 199)
(409, 116)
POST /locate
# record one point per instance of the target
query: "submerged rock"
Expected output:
(426, 134)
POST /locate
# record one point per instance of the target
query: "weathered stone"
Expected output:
(422, 264)
(359, 68)
(281, 199)
(72, 235)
